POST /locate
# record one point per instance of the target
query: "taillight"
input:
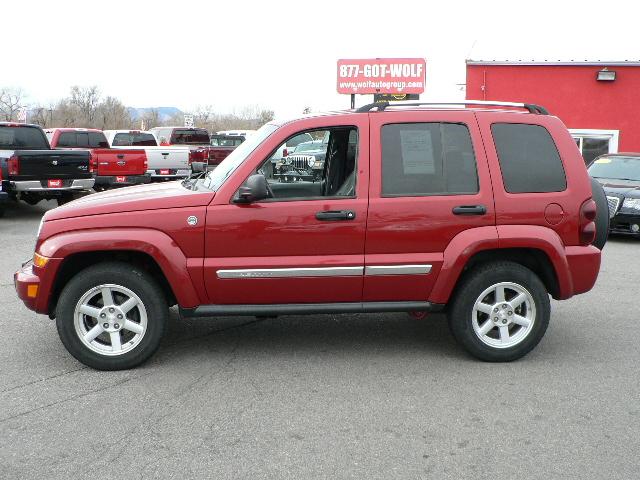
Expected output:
(191, 159)
(145, 164)
(13, 165)
(93, 163)
(587, 231)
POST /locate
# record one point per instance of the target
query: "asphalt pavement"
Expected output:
(357, 396)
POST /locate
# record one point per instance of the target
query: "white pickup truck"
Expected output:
(164, 163)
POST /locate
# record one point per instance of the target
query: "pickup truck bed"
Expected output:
(113, 168)
(164, 162)
(37, 172)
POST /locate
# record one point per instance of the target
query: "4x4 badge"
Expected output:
(192, 220)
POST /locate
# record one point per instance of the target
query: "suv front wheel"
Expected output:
(500, 312)
(112, 316)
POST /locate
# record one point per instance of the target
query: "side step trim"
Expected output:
(309, 308)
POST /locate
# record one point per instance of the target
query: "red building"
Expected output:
(598, 101)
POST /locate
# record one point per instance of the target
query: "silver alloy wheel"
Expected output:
(503, 315)
(110, 319)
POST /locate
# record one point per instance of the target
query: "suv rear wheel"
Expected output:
(111, 316)
(500, 312)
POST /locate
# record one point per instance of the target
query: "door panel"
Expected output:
(278, 251)
(416, 230)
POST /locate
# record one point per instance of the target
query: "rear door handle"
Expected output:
(469, 210)
(334, 215)
(121, 155)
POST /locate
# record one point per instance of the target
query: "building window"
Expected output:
(593, 143)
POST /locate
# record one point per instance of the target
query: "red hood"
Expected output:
(144, 197)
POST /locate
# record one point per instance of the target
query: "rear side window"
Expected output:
(133, 139)
(189, 136)
(420, 159)
(98, 140)
(26, 138)
(529, 159)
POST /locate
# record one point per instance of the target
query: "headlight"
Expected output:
(311, 161)
(631, 203)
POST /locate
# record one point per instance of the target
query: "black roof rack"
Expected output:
(381, 106)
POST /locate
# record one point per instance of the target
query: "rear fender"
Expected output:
(154, 243)
(470, 242)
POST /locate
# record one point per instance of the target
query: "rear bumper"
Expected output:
(122, 180)
(171, 175)
(584, 266)
(76, 185)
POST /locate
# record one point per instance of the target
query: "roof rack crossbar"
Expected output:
(381, 106)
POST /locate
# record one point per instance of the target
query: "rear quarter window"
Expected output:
(529, 159)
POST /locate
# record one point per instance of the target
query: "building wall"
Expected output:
(570, 92)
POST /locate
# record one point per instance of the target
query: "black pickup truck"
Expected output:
(31, 171)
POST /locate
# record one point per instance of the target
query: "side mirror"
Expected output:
(254, 189)
(198, 167)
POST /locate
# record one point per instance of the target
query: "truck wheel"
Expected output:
(2, 212)
(500, 312)
(112, 316)
(602, 214)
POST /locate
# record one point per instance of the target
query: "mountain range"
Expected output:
(164, 112)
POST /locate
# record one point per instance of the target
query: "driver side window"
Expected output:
(313, 164)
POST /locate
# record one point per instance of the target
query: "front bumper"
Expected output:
(34, 285)
(122, 180)
(34, 186)
(623, 223)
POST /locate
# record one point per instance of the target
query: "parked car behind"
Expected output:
(164, 162)
(222, 146)
(113, 168)
(619, 174)
(480, 213)
(196, 139)
(306, 163)
(32, 171)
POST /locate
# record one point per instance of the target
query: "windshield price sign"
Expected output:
(381, 75)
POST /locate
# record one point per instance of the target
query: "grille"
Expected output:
(301, 162)
(613, 205)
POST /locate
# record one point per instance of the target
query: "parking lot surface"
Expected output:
(355, 396)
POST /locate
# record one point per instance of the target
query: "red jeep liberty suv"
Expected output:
(482, 212)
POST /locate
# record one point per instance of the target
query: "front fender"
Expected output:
(154, 243)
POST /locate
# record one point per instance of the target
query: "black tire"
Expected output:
(133, 278)
(473, 285)
(602, 214)
(2, 210)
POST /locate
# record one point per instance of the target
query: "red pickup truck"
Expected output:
(112, 167)
(197, 139)
(481, 213)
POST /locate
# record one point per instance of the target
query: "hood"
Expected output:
(621, 188)
(153, 196)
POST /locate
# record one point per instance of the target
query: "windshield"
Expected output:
(22, 138)
(308, 147)
(134, 139)
(215, 178)
(621, 168)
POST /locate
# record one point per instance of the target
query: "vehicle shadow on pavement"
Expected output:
(24, 211)
(357, 334)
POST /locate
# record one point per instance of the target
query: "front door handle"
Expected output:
(469, 210)
(334, 215)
